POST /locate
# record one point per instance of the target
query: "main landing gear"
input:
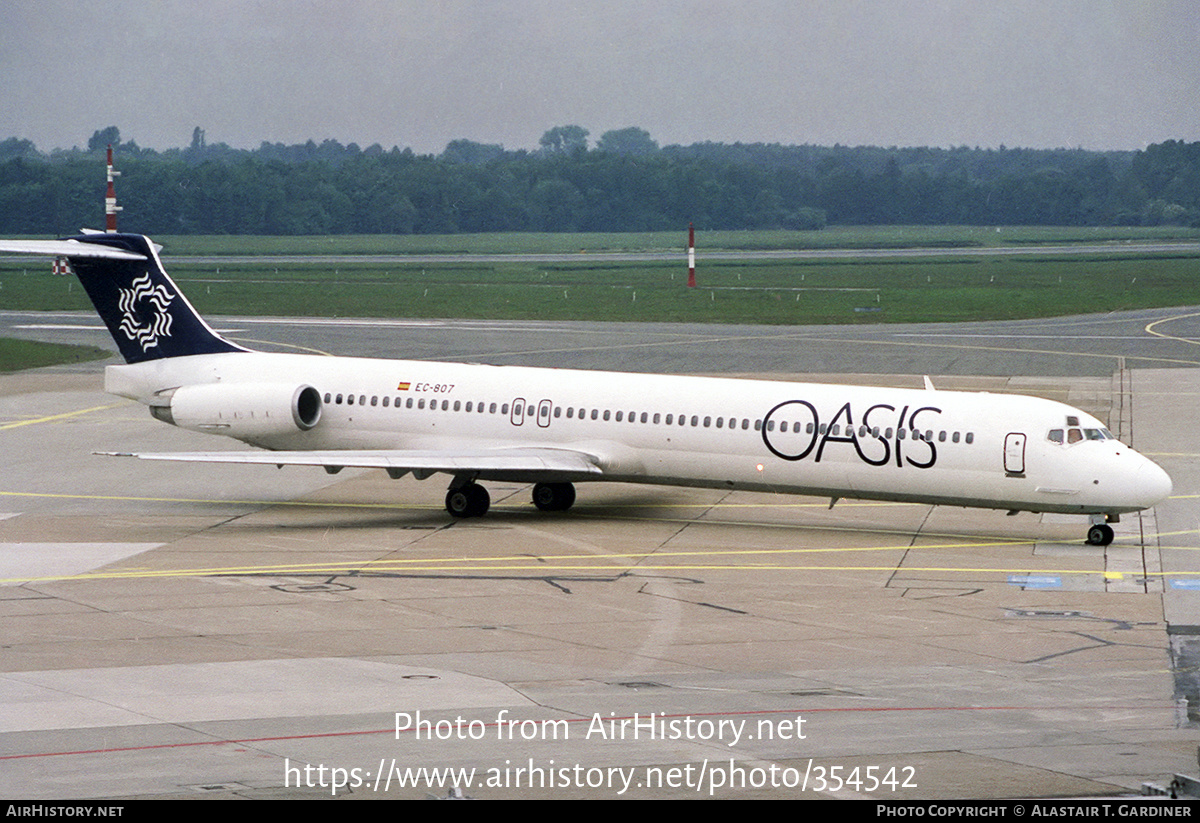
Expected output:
(553, 497)
(469, 499)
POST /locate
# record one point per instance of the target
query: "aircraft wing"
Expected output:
(67, 248)
(522, 460)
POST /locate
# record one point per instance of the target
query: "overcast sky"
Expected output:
(1097, 74)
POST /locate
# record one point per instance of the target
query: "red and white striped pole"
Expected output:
(110, 198)
(691, 257)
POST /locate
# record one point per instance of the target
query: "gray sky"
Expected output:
(1100, 74)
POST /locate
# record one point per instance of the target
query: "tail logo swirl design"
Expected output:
(157, 324)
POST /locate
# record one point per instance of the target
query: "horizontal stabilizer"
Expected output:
(67, 248)
(453, 462)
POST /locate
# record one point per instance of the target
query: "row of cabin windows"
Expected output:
(656, 418)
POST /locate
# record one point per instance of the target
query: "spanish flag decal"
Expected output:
(403, 387)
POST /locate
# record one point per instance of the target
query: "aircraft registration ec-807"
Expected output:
(557, 427)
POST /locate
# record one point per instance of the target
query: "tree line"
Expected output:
(624, 182)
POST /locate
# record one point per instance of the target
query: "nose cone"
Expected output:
(1151, 484)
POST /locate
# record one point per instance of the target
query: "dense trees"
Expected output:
(564, 140)
(632, 141)
(626, 183)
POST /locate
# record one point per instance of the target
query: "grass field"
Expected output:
(864, 237)
(26, 354)
(939, 289)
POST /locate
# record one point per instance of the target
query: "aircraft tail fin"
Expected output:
(145, 312)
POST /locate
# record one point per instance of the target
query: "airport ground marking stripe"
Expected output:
(1156, 546)
(284, 345)
(354, 567)
(1149, 328)
(51, 418)
(808, 337)
(134, 499)
(987, 540)
(524, 557)
(1007, 349)
(542, 570)
(242, 741)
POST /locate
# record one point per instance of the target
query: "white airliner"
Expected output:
(554, 428)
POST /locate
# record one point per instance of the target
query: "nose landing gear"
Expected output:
(1100, 533)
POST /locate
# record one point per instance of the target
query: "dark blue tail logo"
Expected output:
(145, 317)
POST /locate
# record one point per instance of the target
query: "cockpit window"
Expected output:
(1076, 434)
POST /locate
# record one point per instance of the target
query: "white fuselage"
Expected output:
(942, 447)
